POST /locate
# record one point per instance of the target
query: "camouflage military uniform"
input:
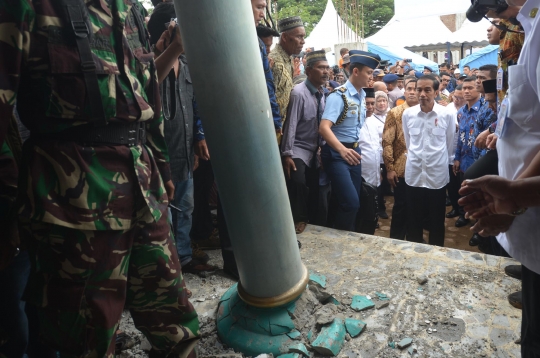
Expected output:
(94, 216)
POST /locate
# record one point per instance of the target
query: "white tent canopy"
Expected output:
(413, 9)
(472, 33)
(412, 32)
(330, 30)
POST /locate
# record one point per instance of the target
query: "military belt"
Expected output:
(353, 145)
(113, 134)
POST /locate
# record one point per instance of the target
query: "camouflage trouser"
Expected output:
(82, 280)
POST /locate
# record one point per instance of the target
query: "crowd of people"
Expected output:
(88, 201)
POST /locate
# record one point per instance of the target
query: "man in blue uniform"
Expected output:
(343, 117)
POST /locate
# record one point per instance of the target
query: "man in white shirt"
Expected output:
(429, 130)
(517, 146)
(369, 144)
(453, 185)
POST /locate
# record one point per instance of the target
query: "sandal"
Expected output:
(197, 267)
(124, 341)
(300, 227)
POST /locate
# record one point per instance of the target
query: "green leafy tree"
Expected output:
(377, 13)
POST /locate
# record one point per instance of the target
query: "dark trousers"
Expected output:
(325, 194)
(303, 189)
(422, 204)
(398, 226)
(346, 184)
(487, 165)
(13, 322)
(229, 261)
(530, 323)
(453, 188)
(203, 179)
(382, 189)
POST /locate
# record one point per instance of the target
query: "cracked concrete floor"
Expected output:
(467, 287)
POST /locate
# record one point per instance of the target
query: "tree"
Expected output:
(377, 13)
(310, 11)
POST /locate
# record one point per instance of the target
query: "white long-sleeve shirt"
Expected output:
(429, 138)
(370, 148)
(520, 138)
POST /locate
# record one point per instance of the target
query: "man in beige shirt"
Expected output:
(290, 43)
(395, 156)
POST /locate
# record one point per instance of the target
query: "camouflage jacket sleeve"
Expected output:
(16, 17)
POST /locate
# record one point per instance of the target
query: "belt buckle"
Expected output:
(132, 137)
(355, 145)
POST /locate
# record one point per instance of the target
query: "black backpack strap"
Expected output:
(88, 66)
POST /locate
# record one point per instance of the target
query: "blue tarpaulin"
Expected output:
(484, 56)
(394, 54)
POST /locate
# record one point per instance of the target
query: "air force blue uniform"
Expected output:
(346, 109)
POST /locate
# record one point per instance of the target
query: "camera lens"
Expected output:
(474, 14)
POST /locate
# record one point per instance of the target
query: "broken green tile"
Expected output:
(318, 279)
(310, 335)
(382, 296)
(299, 348)
(360, 303)
(331, 339)
(354, 326)
(289, 355)
(294, 334)
(410, 350)
(419, 289)
(404, 343)
(331, 299)
(392, 345)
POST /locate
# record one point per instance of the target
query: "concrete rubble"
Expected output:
(449, 303)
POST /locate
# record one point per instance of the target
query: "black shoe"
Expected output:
(452, 214)
(383, 215)
(462, 221)
(513, 271)
(448, 202)
(516, 299)
(299, 244)
(475, 240)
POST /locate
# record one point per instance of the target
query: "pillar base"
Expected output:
(268, 302)
(255, 330)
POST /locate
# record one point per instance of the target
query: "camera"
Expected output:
(479, 8)
(335, 69)
(408, 60)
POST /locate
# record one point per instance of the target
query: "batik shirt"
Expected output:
(466, 118)
(486, 117)
(509, 49)
(67, 184)
(282, 70)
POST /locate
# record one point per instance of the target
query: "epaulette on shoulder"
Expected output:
(340, 89)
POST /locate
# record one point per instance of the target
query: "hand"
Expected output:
(169, 187)
(480, 141)
(442, 103)
(351, 156)
(201, 150)
(288, 165)
(177, 40)
(271, 63)
(392, 178)
(488, 195)
(456, 166)
(493, 225)
(196, 162)
(491, 141)
(279, 131)
(510, 12)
